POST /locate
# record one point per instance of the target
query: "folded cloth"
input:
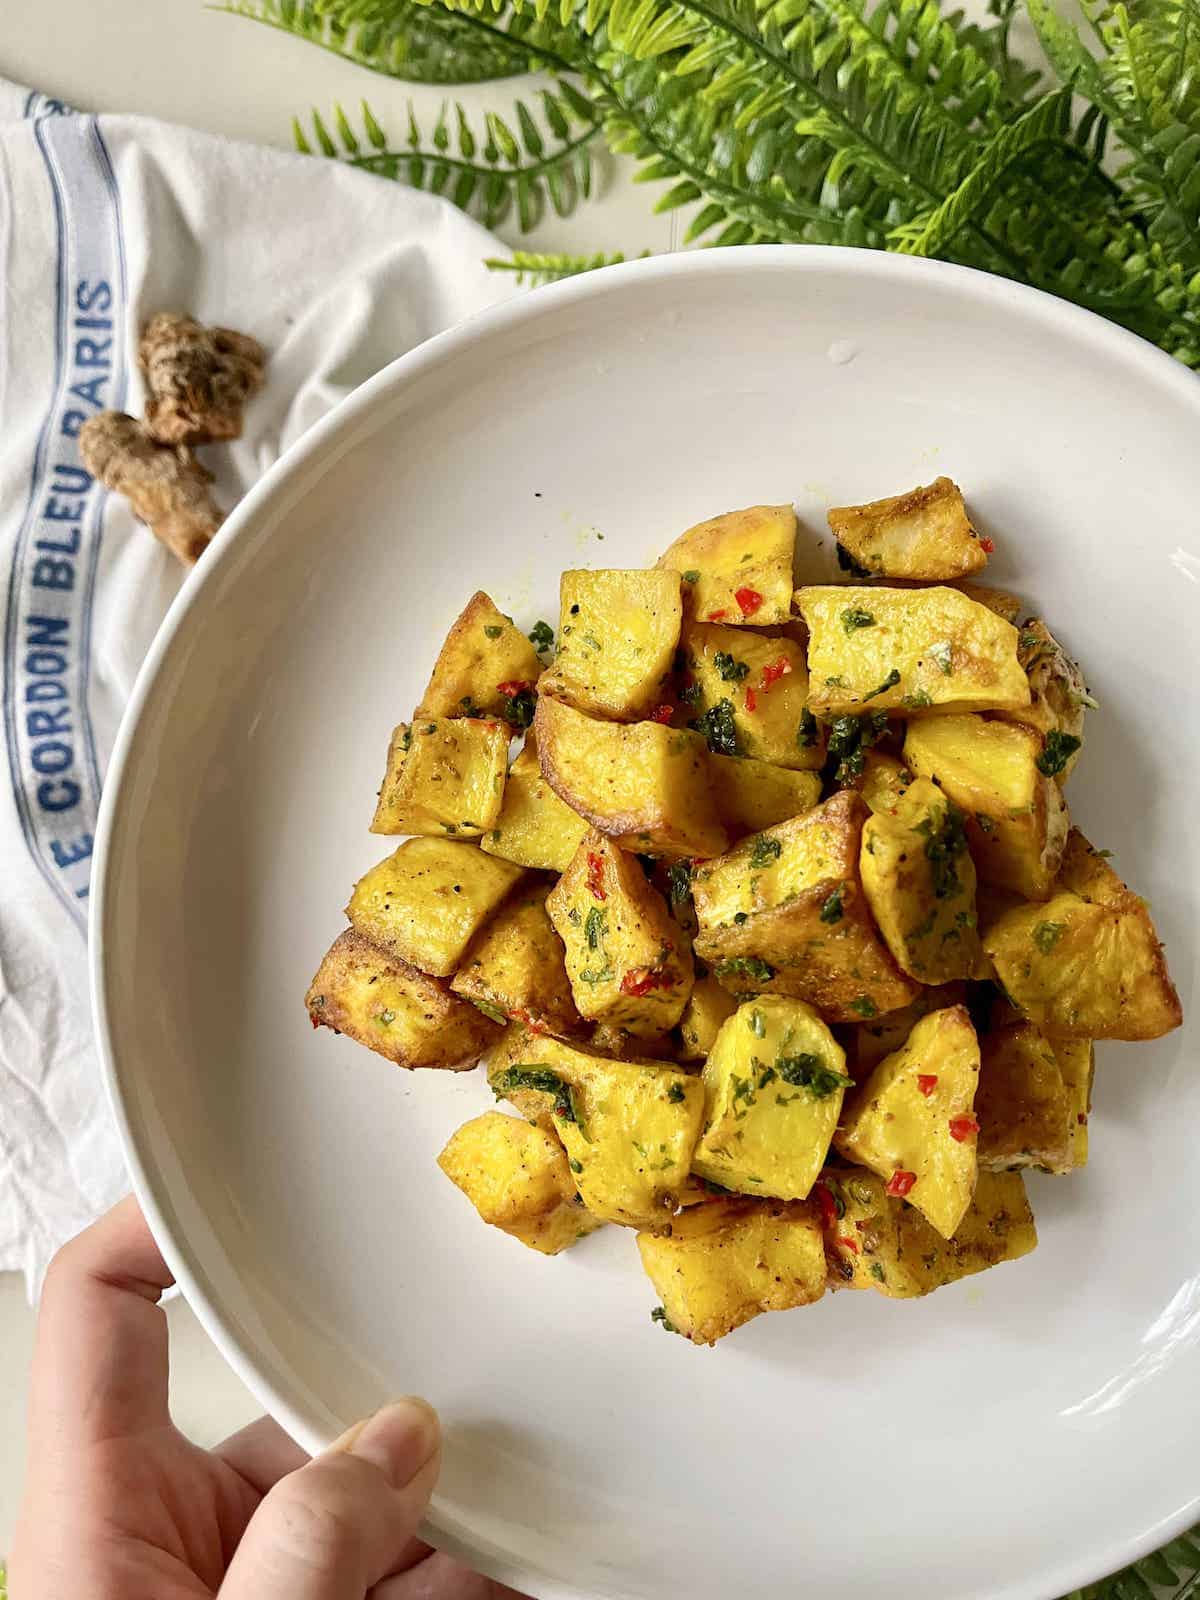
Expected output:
(104, 221)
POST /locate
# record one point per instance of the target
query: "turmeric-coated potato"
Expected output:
(426, 901)
(534, 828)
(784, 913)
(443, 777)
(868, 1042)
(643, 784)
(738, 567)
(485, 663)
(517, 1178)
(884, 780)
(627, 960)
(616, 642)
(513, 967)
(748, 694)
(1016, 818)
(1022, 1104)
(1077, 1062)
(906, 651)
(394, 1009)
(725, 1262)
(1006, 605)
(924, 533)
(913, 1121)
(752, 795)
(707, 1008)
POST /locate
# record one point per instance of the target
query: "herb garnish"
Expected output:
(753, 967)
(676, 1093)
(1047, 934)
(848, 564)
(1059, 749)
(493, 630)
(518, 708)
(890, 682)
(943, 846)
(832, 910)
(541, 635)
(808, 1071)
(806, 734)
(849, 739)
(679, 883)
(765, 851)
(543, 1081)
(692, 575)
(853, 618)
(659, 1315)
(731, 671)
(593, 928)
(943, 654)
(864, 1006)
(718, 727)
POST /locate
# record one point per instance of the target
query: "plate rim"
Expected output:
(349, 416)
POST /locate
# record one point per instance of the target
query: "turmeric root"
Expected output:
(197, 379)
(168, 489)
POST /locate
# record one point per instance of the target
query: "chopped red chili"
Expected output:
(961, 1128)
(595, 877)
(851, 1244)
(314, 1019)
(987, 546)
(662, 713)
(900, 1183)
(749, 600)
(751, 699)
(514, 687)
(640, 980)
(1081, 1117)
(927, 1082)
(774, 670)
(826, 1205)
(715, 616)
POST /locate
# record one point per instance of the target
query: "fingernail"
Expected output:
(399, 1440)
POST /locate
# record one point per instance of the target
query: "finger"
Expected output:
(100, 1360)
(345, 1520)
(442, 1578)
(261, 1453)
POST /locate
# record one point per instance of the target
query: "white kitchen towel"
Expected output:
(103, 221)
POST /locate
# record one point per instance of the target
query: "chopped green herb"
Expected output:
(601, 975)
(836, 682)
(387, 1017)
(593, 928)
(659, 1315)
(864, 1006)
(576, 1166)
(854, 618)
(808, 1071)
(718, 727)
(690, 693)
(406, 741)
(877, 1272)
(518, 708)
(832, 910)
(849, 739)
(493, 630)
(541, 635)
(1028, 640)
(592, 642)
(450, 827)
(943, 847)
(692, 575)
(890, 682)
(848, 564)
(489, 1010)
(914, 701)
(543, 1081)
(1047, 934)
(676, 1093)
(1059, 749)
(731, 671)
(943, 654)
(764, 851)
(752, 967)
(679, 883)
(430, 727)
(807, 733)
(757, 1024)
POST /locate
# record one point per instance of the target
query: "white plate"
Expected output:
(1012, 1436)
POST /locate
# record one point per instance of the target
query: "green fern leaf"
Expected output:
(537, 268)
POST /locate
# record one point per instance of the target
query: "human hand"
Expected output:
(120, 1506)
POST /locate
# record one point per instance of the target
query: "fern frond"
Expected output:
(536, 267)
(1176, 1567)
(545, 161)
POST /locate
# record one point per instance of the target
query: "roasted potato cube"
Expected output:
(1058, 696)
(1021, 1104)
(1006, 605)
(913, 1120)
(784, 913)
(643, 784)
(738, 567)
(485, 662)
(773, 1086)
(1086, 966)
(425, 902)
(517, 1178)
(629, 1127)
(884, 780)
(534, 828)
(707, 1008)
(394, 1009)
(611, 1039)
(868, 1042)
(1077, 1062)
(875, 1242)
(1016, 817)
(919, 881)
(726, 1261)
(513, 968)
(908, 650)
(752, 795)
(748, 693)
(626, 958)
(443, 777)
(617, 635)
(924, 534)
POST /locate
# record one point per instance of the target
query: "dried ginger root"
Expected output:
(197, 379)
(167, 488)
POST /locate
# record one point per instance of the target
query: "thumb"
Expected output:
(343, 1522)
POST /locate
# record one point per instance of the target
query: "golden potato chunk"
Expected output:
(738, 567)
(1077, 1063)
(611, 1039)
(629, 1127)
(1058, 696)
(1016, 817)
(876, 1242)
(868, 1042)
(773, 1086)
(707, 1008)
(643, 784)
(908, 650)
(1006, 605)
(394, 1009)
(627, 961)
(1022, 1105)
(884, 780)
(617, 635)
(913, 1121)
(484, 664)
(752, 795)
(919, 881)
(784, 913)
(517, 1178)
(443, 777)
(534, 828)
(513, 968)
(425, 902)
(924, 533)
(748, 695)
(725, 1262)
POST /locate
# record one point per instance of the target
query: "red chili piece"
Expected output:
(595, 877)
(900, 1183)
(826, 1205)
(751, 699)
(774, 670)
(927, 1082)
(749, 600)
(1081, 1117)
(961, 1128)
(662, 713)
(640, 980)
(987, 546)
(715, 616)
(514, 687)
(851, 1244)
(316, 1022)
